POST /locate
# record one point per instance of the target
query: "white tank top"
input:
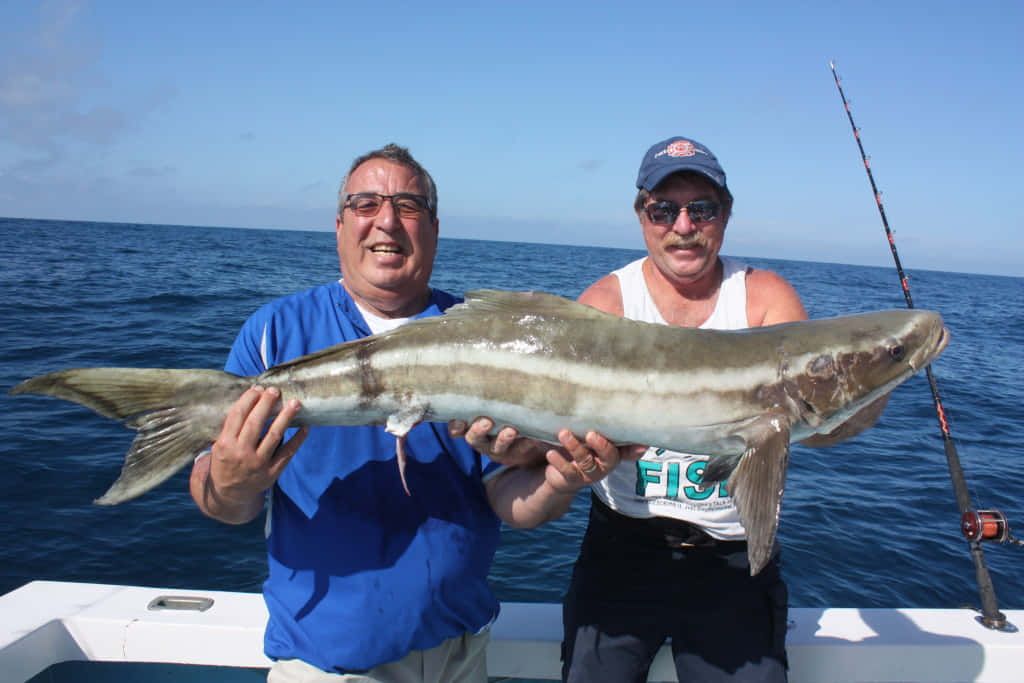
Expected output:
(662, 483)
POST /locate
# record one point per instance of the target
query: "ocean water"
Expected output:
(871, 522)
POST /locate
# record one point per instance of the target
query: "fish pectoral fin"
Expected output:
(400, 424)
(757, 484)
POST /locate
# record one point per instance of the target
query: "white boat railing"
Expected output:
(45, 622)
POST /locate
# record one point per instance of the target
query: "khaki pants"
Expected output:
(456, 660)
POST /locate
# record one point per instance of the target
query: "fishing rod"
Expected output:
(976, 525)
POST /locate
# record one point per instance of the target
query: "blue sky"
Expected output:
(532, 116)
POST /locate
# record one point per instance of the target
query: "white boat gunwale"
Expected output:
(47, 622)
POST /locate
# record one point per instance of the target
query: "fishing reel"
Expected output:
(987, 525)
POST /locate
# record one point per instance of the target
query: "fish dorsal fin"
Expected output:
(517, 303)
(478, 304)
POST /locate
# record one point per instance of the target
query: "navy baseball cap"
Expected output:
(674, 155)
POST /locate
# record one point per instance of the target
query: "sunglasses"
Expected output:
(405, 204)
(666, 213)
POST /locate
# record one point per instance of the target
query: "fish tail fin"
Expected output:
(757, 485)
(177, 414)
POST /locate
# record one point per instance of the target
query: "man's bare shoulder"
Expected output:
(771, 299)
(604, 295)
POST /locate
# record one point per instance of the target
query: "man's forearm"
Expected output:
(217, 506)
(523, 498)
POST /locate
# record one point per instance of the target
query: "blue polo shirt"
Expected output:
(359, 572)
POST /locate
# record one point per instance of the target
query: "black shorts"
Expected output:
(634, 586)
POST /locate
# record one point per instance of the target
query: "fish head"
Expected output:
(840, 365)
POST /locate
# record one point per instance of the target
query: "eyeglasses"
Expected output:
(666, 213)
(405, 204)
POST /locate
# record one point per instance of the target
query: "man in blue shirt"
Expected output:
(365, 582)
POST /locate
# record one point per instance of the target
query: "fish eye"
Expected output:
(897, 352)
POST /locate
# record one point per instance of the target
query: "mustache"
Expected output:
(675, 240)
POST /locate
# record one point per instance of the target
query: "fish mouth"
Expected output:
(930, 353)
(943, 340)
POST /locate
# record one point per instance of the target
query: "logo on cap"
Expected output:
(681, 148)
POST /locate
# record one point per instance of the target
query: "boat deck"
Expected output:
(44, 623)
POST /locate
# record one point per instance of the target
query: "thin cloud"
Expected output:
(43, 76)
(152, 171)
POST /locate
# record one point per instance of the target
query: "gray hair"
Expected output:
(399, 155)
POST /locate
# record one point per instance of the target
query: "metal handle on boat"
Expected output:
(180, 602)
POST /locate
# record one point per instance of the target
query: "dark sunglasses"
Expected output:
(405, 204)
(666, 213)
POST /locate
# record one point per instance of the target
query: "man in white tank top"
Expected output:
(664, 556)
(676, 548)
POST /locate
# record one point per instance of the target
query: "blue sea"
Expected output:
(869, 523)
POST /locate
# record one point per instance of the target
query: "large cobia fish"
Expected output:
(540, 363)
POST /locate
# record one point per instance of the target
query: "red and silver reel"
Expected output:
(986, 525)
